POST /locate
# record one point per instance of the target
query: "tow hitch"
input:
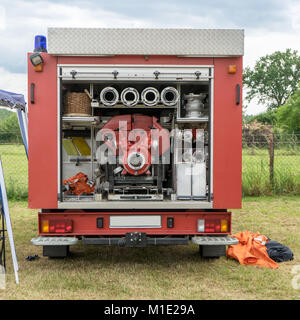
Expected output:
(136, 239)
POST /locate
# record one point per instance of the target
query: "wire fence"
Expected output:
(271, 164)
(15, 165)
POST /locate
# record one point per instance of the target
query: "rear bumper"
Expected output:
(154, 241)
(125, 241)
(152, 223)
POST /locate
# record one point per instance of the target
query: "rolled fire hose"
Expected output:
(130, 97)
(150, 96)
(109, 96)
(169, 96)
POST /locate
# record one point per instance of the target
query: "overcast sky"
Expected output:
(269, 25)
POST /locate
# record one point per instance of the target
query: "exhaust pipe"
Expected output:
(169, 96)
(130, 97)
(109, 96)
(150, 97)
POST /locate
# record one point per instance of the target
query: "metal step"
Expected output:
(214, 241)
(54, 241)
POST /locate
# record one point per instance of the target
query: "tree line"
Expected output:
(274, 82)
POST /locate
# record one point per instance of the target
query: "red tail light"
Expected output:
(60, 225)
(212, 225)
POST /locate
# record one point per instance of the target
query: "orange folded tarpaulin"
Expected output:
(251, 250)
(78, 184)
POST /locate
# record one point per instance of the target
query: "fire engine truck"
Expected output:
(135, 137)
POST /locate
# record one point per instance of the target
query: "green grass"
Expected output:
(175, 272)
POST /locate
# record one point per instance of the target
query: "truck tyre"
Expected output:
(56, 251)
(211, 251)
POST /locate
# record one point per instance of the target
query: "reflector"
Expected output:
(232, 69)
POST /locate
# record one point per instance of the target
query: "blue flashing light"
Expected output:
(40, 44)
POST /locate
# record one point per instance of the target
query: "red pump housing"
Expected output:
(132, 137)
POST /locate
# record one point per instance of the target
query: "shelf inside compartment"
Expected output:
(81, 120)
(79, 198)
(193, 120)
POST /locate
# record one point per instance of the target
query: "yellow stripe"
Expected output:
(69, 147)
(82, 146)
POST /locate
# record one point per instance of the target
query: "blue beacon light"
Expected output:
(40, 43)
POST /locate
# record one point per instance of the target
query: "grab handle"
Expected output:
(238, 94)
(32, 93)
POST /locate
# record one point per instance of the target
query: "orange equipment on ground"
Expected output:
(251, 250)
(78, 184)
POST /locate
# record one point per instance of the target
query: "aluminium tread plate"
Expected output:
(54, 241)
(215, 240)
(137, 41)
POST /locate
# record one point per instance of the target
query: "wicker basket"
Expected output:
(77, 104)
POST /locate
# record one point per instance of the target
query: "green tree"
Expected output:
(268, 117)
(288, 116)
(4, 113)
(9, 129)
(273, 79)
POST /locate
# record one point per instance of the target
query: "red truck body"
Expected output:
(43, 133)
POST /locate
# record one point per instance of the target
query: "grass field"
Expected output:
(175, 272)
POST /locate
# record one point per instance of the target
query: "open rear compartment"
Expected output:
(135, 140)
(138, 136)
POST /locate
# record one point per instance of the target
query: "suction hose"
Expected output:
(150, 97)
(109, 96)
(130, 97)
(169, 96)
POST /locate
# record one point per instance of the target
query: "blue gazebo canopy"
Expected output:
(12, 100)
(16, 101)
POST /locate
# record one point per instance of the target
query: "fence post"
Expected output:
(271, 155)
